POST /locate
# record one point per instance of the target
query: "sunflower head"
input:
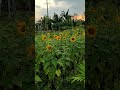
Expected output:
(72, 39)
(49, 47)
(44, 37)
(91, 32)
(21, 27)
(58, 37)
(61, 34)
(54, 36)
(64, 38)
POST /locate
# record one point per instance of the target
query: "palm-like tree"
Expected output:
(57, 20)
(66, 17)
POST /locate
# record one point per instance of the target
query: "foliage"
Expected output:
(59, 22)
(81, 76)
(56, 54)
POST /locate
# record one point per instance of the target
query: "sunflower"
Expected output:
(21, 27)
(54, 36)
(58, 37)
(91, 32)
(72, 39)
(49, 47)
(64, 38)
(44, 37)
(61, 34)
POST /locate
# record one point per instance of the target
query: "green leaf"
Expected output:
(54, 62)
(47, 70)
(52, 72)
(37, 78)
(60, 62)
(68, 59)
(58, 72)
(81, 76)
(46, 64)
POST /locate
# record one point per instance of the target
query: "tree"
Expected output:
(67, 17)
(57, 20)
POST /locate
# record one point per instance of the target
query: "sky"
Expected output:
(56, 6)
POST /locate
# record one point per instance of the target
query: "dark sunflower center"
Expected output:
(49, 48)
(73, 38)
(44, 37)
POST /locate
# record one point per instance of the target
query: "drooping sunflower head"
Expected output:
(91, 32)
(44, 37)
(21, 27)
(49, 47)
(72, 39)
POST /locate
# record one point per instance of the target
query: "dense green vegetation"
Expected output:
(60, 62)
(58, 22)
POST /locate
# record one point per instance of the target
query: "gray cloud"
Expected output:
(77, 6)
(74, 6)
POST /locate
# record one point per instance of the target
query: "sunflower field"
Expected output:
(60, 61)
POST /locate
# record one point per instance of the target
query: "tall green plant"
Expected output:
(81, 74)
(66, 18)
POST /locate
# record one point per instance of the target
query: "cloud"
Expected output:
(74, 6)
